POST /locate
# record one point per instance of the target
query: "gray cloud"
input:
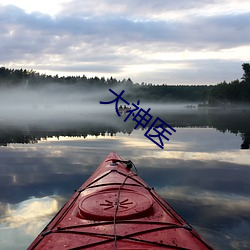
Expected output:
(105, 39)
(225, 29)
(132, 8)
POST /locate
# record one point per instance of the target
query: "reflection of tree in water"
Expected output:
(246, 141)
(234, 121)
(8, 137)
(237, 123)
(32, 134)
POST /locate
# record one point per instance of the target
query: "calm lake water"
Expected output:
(203, 171)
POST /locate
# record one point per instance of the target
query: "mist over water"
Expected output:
(49, 103)
(201, 170)
(65, 103)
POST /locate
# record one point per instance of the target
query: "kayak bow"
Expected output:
(116, 209)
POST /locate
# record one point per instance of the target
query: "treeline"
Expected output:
(234, 92)
(237, 91)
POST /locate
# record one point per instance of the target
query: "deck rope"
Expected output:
(129, 164)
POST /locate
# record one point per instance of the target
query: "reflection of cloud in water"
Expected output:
(22, 222)
(235, 156)
(28, 212)
(142, 142)
(227, 240)
(228, 203)
(226, 216)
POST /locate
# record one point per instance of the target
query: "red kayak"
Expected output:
(116, 209)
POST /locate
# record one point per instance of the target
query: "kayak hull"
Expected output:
(116, 209)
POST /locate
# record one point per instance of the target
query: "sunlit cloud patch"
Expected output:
(181, 42)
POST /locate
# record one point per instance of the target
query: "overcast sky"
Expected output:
(157, 41)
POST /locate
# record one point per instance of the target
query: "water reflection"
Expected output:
(20, 222)
(29, 211)
(202, 173)
(100, 124)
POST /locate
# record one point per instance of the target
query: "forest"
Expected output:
(224, 93)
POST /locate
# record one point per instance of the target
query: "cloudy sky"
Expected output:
(157, 41)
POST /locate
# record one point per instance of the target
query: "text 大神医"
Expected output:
(142, 118)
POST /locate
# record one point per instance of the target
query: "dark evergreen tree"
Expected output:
(246, 69)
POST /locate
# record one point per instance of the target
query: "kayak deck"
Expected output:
(116, 209)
